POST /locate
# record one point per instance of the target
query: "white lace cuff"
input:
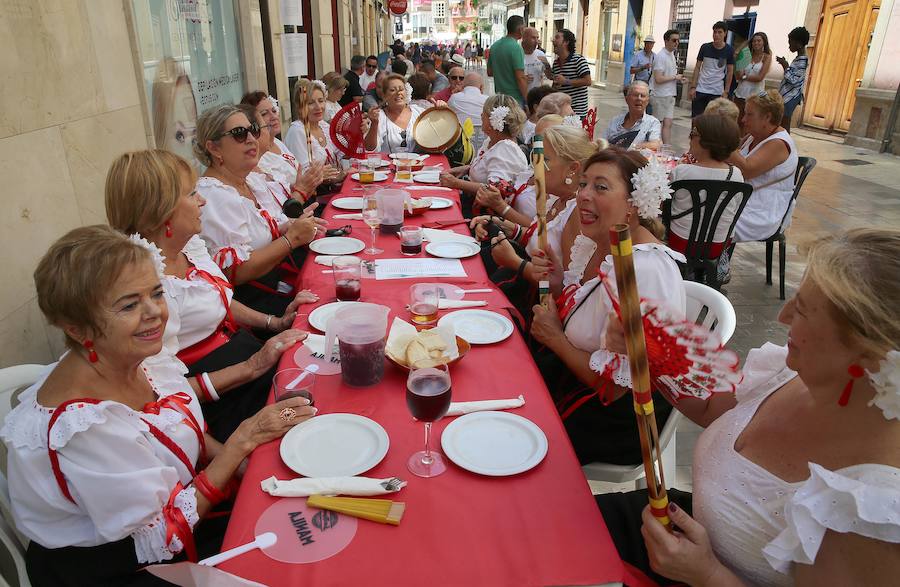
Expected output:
(863, 499)
(612, 365)
(150, 540)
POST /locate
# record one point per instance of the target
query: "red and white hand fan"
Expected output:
(346, 131)
(686, 359)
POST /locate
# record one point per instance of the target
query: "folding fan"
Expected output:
(346, 131)
(686, 359)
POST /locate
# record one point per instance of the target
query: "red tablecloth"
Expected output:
(541, 527)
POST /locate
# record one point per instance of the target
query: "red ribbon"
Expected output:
(273, 226)
(221, 258)
(177, 525)
(222, 286)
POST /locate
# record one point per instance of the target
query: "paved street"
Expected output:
(850, 187)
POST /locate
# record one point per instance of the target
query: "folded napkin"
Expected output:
(328, 259)
(316, 344)
(357, 216)
(304, 487)
(460, 408)
(436, 235)
(445, 304)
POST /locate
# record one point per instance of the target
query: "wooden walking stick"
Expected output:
(540, 190)
(630, 304)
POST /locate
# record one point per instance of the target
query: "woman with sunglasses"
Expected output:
(318, 148)
(391, 129)
(247, 241)
(277, 160)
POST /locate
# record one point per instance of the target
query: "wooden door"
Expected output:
(842, 46)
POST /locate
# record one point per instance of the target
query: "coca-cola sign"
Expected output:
(397, 7)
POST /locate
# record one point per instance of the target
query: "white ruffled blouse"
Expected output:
(195, 304)
(296, 144)
(759, 524)
(231, 225)
(503, 160)
(281, 167)
(390, 139)
(118, 473)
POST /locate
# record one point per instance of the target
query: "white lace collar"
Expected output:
(582, 250)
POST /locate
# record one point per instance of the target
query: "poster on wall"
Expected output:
(560, 6)
(293, 49)
(291, 13)
(191, 59)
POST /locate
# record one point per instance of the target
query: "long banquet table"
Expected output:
(540, 527)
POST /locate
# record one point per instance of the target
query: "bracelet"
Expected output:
(303, 196)
(269, 321)
(518, 232)
(288, 241)
(213, 494)
(505, 210)
(206, 387)
(521, 271)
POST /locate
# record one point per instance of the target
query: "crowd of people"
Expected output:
(176, 313)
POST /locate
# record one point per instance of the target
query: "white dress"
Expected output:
(332, 108)
(771, 194)
(231, 226)
(119, 474)
(195, 304)
(504, 160)
(759, 524)
(296, 143)
(746, 89)
(390, 137)
(281, 167)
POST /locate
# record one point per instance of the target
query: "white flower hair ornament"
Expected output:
(498, 117)
(572, 120)
(321, 85)
(275, 107)
(651, 187)
(887, 386)
(156, 255)
(408, 91)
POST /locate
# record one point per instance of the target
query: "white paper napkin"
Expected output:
(303, 487)
(188, 574)
(357, 216)
(444, 304)
(327, 260)
(316, 344)
(436, 235)
(460, 408)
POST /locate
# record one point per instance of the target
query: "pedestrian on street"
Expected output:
(506, 62)
(354, 90)
(536, 64)
(571, 72)
(642, 61)
(713, 71)
(791, 89)
(664, 84)
(752, 78)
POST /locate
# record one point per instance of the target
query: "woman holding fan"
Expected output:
(308, 137)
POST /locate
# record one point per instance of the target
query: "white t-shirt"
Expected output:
(681, 200)
(468, 104)
(535, 68)
(505, 160)
(119, 474)
(665, 64)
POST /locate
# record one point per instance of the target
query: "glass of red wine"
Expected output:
(428, 399)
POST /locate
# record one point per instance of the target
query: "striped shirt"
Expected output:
(794, 75)
(574, 68)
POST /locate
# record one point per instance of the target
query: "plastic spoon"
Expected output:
(262, 542)
(306, 371)
(449, 292)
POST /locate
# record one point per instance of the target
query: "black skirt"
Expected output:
(238, 404)
(110, 565)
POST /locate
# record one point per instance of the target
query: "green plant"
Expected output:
(463, 29)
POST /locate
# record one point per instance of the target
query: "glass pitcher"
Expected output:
(360, 329)
(391, 204)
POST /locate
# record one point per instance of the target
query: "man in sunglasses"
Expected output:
(368, 76)
(456, 75)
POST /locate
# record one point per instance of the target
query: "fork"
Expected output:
(392, 484)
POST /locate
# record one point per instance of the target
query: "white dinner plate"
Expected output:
(352, 203)
(494, 443)
(337, 245)
(451, 249)
(440, 203)
(478, 326)
(427, 177)
(334, 445)
(319, 317)
(411, 156)
(379, 176)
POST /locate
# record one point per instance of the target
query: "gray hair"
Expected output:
(516, 117)
(357, 61)
(636, 83)
(473, 80)
(209, 128)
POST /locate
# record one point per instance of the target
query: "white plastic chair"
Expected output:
(704, 306)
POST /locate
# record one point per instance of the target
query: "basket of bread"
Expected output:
(407, 348)
(416, 206)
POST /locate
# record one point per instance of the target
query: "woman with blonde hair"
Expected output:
(795, 475)
(499, 157)
(335, 87)
(391, 123)
(317, 148)
(244, 239)
(109, 467)
(151, 195)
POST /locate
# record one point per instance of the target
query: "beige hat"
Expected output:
(649, 39)
(458, 59)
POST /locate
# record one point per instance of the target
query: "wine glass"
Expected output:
(428, 399)
(371, 216)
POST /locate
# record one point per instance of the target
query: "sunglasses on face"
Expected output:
(372, 65)
(239, 133)
(457, 78)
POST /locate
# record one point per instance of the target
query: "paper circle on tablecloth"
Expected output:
(303, 358)
(305, 534)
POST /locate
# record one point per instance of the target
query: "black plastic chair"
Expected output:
(804, 166)
(705, 217)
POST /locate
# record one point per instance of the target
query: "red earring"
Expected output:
(168, 230)
(855, 372)
(92, 354)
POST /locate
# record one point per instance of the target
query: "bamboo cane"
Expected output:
(540, 190)
(304, 115)
(621, 248)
